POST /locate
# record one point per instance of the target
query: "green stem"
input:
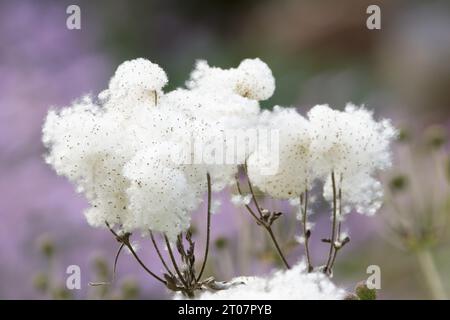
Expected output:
(431, 274)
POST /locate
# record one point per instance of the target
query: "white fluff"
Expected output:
(255, 80)
(349, 143)
(121, 152)
(354, 146)
(293, 284)
(294, 173)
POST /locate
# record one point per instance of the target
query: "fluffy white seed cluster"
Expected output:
(293, 156)
(349, 143)
(129, 150)
(293, 284)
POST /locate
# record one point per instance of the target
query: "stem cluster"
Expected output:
(183, 277)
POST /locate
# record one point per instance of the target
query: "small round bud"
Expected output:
(40, 282)
(221, 243)
(100, 266)
(364, 293)
(403, 135)
(46, 246)
(61, 294)
(398, 183)
(436, 136)
(130, 289)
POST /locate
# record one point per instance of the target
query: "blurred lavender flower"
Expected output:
(42, 64)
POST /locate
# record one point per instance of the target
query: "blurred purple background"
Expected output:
(320, 52)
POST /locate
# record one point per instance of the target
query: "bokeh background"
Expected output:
(319, 51)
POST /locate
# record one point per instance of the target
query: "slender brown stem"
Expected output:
(252, 192)
(95, 284)
(174, 262)
(260, 220)
(112, 230)
(306, 232)
(333, 226)
(277, 246)
(159, 254)
(208, 228)
(116, 259)
(249, 209)
(126, 241)
(130, 247)
(338, 230)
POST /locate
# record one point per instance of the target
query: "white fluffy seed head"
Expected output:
(254, 80)
(354, 146)
(119, 152)
(293, 284)
(349, 142)
(212, 92)
(85, 146)
(136, 82)
(360, 192)
(160, 195)
(294, 174)
(138, 74)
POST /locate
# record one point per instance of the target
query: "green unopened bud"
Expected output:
(130, 289)
(46, 246)
(398, 183)
(221, 243)
(403, 136)
(61, 294)
(436, 136)
(101, 267)
(364, 293)
(40, 282)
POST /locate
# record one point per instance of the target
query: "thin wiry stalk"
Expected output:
(338, 230)
(125, 241)
(160, 255)
(260, 220)
(97, 284)
(333, 225)
(116, 259)
(249, 209)
(306, 232)
(252, 192)
(208, 228)
(130, 247)
(174, 262)
(277, 246)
